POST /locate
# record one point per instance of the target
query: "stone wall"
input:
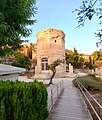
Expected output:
(8, 72)
(11, 77)
(98, 71)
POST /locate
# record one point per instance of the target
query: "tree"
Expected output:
(97, 55)
(22, 61)
(52, 67)
(30, 51)
(75, 59)
(88, 9)
(89, 65)
(75, 51)
(15, 17)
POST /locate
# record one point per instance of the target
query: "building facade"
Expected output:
(50, 47)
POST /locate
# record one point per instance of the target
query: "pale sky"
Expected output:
(57, 14)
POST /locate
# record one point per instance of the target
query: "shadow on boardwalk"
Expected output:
(70, 105)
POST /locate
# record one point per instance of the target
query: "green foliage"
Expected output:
(1, 61)
(30, 51)
(75, 51)
(87, 10)
(15, 16)
(94, 77)
(53, 66)
(97, 55)
(75, 59)
(90, 82)
(89, 65)
(22, 61)
(23, 101)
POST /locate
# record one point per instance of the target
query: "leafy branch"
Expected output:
(87, 11)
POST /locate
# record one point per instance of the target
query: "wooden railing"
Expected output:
(93, 106)
(53, 92)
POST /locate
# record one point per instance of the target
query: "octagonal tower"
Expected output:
(50, 47)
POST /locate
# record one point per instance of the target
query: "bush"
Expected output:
(22, 61)
(90, 82)
(93, 76)
(89, 65)
(23, 101)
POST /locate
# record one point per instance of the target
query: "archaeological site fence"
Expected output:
(93, 105)
(53, 94)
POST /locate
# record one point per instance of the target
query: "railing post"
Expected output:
(57, 90)
(52, 94)
(51, 97)
(62, 84)
(60, 87)
(93, 103)
(99, 112)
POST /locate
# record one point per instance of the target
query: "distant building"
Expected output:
(30, 50)
(87, 58)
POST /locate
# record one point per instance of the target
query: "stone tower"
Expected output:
(50, 47)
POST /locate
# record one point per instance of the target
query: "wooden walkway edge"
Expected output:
(69, 105)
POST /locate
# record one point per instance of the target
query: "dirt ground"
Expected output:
(29, 73)
(98, 96)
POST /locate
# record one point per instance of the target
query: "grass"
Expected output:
(90, 82)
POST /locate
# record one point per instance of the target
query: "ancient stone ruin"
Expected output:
(50, 47)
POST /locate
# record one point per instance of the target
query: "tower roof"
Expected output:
(43, 34)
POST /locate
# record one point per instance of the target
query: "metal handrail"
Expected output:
(53, 94)
(96, 108)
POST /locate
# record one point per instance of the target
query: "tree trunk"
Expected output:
(52, 77)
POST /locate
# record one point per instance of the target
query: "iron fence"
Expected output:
(93, 105)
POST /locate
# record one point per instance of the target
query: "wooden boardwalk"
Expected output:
(70, 105)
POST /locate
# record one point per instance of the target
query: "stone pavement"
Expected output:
(70, 104)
